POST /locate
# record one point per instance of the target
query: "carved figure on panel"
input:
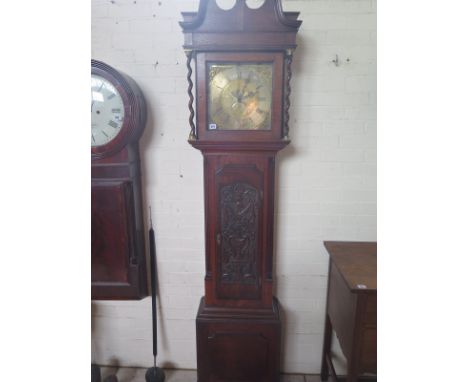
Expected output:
(239, 233)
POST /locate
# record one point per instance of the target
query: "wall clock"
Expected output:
(243, 59)
(118, 117)
(107, 111)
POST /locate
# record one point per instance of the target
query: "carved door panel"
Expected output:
(238, 260)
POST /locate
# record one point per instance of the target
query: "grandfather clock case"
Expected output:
(242, 58)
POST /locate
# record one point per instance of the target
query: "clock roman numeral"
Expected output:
(92, 136)
(116, 110)
(105, 134)
(112, 124)
(111, 96)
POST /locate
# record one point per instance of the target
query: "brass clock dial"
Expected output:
(240, 96)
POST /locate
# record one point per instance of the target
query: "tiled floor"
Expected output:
(138, 375)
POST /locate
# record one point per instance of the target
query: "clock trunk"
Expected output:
(118, 266)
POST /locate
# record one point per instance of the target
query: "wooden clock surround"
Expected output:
(118, 266)
(238, 322)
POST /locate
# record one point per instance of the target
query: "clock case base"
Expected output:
(238, 344)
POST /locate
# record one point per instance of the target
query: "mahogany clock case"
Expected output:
(118, 263)
(238, 323)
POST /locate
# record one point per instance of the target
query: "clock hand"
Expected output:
(92, 103)
(237, 96)
(252, 93)
(246, 82)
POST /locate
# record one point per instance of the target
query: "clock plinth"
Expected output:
(238, 344)
(242, 58)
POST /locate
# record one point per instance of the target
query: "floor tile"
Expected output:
(181, 375)
(108, 369)
(313, 378)
(129, 374)
(291, 378)
(139, 376)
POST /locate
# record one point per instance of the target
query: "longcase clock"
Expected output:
(118, 117)
(242, 58)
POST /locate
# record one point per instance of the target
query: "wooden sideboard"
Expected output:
(351, 308)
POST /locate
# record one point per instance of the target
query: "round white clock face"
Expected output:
(107, 111)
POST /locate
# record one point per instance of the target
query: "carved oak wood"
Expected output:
(238, 322)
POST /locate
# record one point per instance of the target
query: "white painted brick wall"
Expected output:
(326, 177)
